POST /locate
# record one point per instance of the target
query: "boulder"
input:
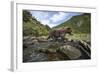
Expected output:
(70, 51)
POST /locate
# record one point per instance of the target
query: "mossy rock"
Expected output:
(70, 51)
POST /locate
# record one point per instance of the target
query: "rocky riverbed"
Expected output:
(40, 49)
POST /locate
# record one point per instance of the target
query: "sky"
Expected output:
(53, 18)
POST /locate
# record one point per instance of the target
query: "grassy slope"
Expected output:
(79, 24)
(35, 28)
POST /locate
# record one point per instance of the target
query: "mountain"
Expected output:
(79, 24)
(33, 27)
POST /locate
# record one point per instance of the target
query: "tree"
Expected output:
(47, 27)
(26, 15)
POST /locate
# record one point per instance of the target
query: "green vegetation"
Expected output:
(84, 36)
(26, 15)
(32, 27)
(81, 27)
(79, 24)
(37, 48)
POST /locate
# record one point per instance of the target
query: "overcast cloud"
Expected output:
(53, 18)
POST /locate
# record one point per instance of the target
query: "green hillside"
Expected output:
(79, 24)
(33, 27)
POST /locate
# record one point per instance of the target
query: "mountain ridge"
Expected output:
(79, 24)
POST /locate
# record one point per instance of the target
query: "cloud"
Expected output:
(45, 22)
(40, 15)
(53, 25)
(58, 17)
(52, 18)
